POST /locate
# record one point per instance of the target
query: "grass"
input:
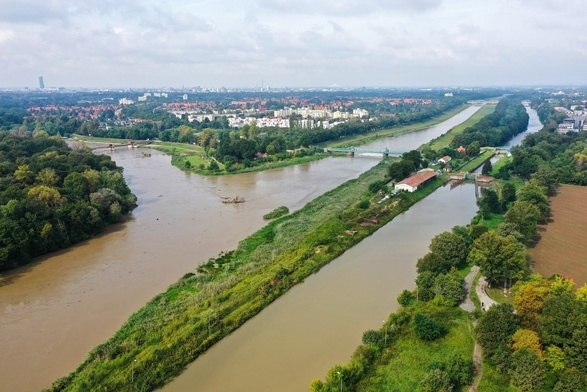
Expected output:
(276, 213)
(444, 140)
(493, 381)
(476, 162)
(496, 293)
(402, 366)
(177, 326)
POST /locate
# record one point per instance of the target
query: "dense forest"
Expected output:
(52, 196)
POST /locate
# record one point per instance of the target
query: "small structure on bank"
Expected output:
(411, 184)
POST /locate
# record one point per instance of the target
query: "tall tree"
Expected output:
(500, 258)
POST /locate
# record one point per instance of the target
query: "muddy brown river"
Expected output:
(55, 310)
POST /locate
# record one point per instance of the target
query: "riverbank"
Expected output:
(360, 140)
(444, 140)
(177, 326)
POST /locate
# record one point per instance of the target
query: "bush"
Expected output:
(372, 337)
(427, 328)
(364, 204)
(406, 298)
(436, 381)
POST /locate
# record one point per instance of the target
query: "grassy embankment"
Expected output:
(358, 140)
(403, 364)
(444, 140)
(174, 328)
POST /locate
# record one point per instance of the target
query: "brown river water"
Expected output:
(55, 310)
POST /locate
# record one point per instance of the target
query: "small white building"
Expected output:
(444, 160)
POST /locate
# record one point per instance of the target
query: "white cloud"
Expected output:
(287, 42)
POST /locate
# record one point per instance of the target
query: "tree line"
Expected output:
(52, 196)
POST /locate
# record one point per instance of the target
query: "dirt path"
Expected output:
(477, 364)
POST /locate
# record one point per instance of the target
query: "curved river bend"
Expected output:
(55, 310)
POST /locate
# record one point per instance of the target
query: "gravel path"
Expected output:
(467, 305)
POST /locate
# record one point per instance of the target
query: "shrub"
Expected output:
(406, 298)
(436, 381)
(427, 328)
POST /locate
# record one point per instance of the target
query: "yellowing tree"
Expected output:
(50, 196)
(526, 338)
(529, 300)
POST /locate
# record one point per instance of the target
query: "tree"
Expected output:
(508, 192)
(424, 285)
(489, 203)
(432, 262)
(535, 195)
(450, 247)
(487, 168)
(571, 380)
(528, 370)
(561, 317)
(529, 297)
(450, 286)
(523, 216)
(499, 258)
(473, 149)
(528, 339)
(496, 327)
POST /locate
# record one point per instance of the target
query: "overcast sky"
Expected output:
(290, 43)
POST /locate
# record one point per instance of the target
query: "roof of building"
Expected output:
(418, 178)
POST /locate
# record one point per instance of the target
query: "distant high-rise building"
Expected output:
(41, 83)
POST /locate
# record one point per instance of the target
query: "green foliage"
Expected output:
(498, 257)
(436, 381)
(496, 327)
(373, 337)
(487, 168)
(450, 286)
(428, 329)
(451, 247)
(52, 196)
(277, 213)
(528, 370)
(571, 380)
(460, 370)
(364, 204)
(406, 298)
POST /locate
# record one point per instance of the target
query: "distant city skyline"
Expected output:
(287, 43)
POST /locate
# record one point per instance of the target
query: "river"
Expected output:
(53, 311)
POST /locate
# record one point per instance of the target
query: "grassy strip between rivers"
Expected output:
(175, 327)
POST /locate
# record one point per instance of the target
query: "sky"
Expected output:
(292, 43)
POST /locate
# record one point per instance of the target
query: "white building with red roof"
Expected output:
(411, 184)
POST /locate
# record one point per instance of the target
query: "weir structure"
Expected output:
(351, 151)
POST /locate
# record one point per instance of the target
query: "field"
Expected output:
(562, 248)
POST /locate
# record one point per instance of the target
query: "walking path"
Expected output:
(486, 301)
(469, 306)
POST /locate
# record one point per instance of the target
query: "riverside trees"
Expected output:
(52, 196)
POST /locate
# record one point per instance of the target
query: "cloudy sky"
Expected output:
(288, 43)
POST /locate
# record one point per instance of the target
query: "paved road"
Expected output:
(486, 301)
